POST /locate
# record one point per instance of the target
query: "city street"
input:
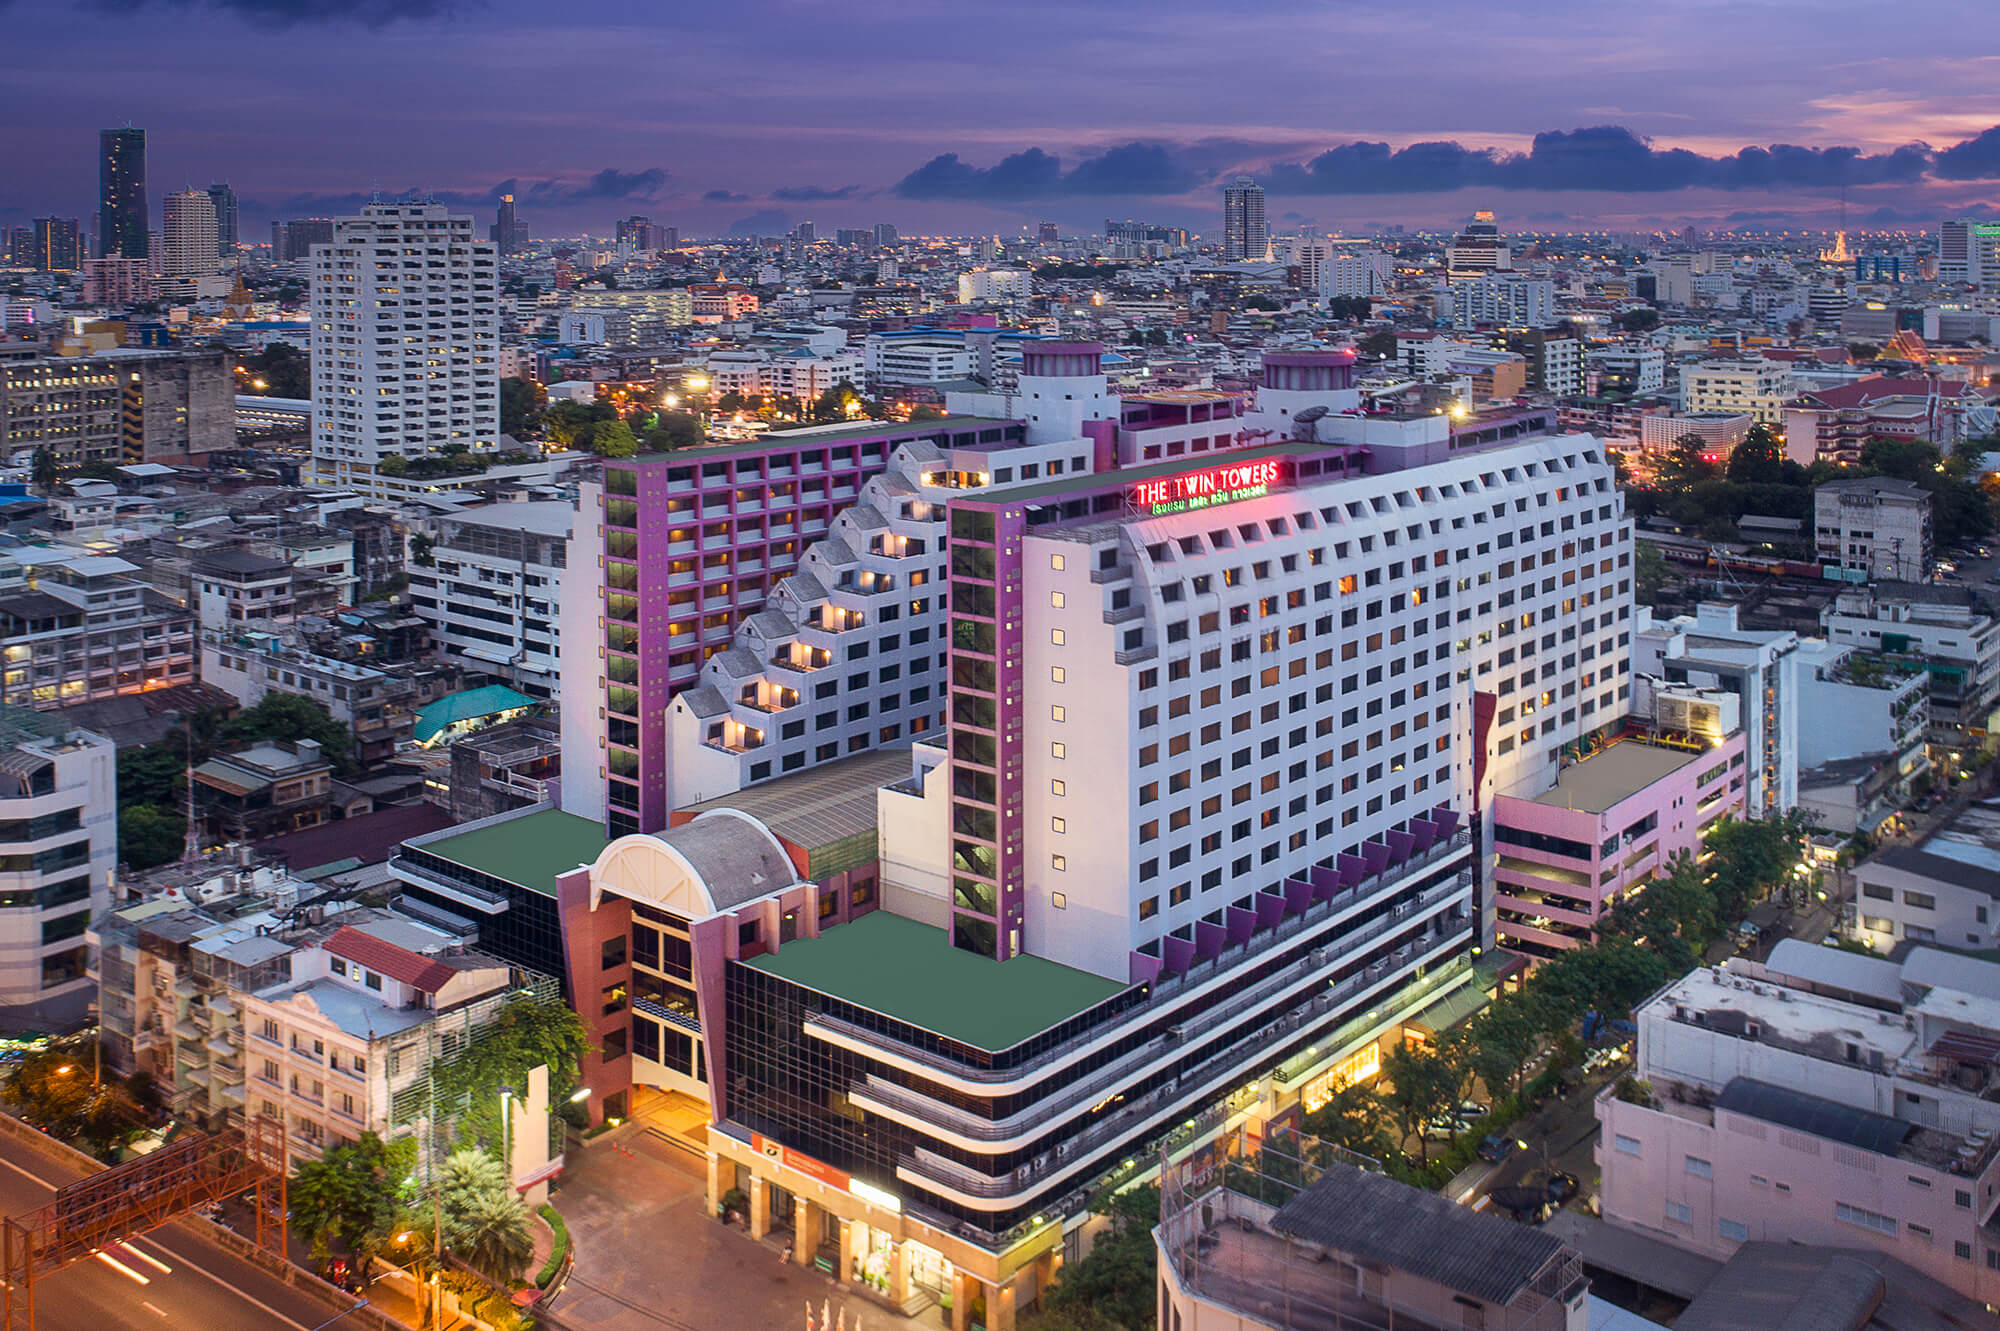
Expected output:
(178, 1277)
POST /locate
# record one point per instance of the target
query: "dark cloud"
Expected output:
(724, 196)
(813, 193)
(1977, 158)
(764, 222)
(1606, 158)
(294, 13)
(608, 185)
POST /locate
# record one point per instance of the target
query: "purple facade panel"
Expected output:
(1270, 910)
(1298, 895)
(1242, 923)
(1180, 954)
(1208, 940)
(1142, 969)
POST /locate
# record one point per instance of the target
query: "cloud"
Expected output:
(1977, 158)
(1600, 158)
(764, 222)
(296, 13)
(1603, 157)
(724, 196)
(608, 185)
(813, 193)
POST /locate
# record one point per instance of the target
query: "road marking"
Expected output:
(121, 1268)
(256, 1303)
(157, 1312)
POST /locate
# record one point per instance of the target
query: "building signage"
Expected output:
(804, 1164)
(1202, 489)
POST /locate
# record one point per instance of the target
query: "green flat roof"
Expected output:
(911, 972)
(529, 851)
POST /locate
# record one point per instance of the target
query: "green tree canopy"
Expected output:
(614, 439)
(521, 405)
(285, 370)
(1116, 1282)
(289, 716)
(1639, 320)
(1759, 459)
(673, 429)
(353, 1196)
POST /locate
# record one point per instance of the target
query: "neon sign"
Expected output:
(1203, 489)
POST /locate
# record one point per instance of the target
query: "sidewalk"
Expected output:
(650, 1256)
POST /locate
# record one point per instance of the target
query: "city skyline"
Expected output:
(958, 144)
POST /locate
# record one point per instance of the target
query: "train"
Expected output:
(1706, 554)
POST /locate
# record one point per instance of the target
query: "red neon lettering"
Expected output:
(1196, 484)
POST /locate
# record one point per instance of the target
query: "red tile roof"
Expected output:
(1864, 392)
(398, 963)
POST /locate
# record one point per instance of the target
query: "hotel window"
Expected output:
(1056, 714)
(1057, 825)
(1056, 562)
(1149, 908)
(1056, 750)
(1057, 788)
(1059, 901)
(1056, 637)
(1056, 674)
(1059, 863)
(1056, 600)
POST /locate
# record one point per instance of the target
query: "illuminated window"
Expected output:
(1056, 675)
(1058, 863)
(1056, 562)
(1056, 788)
(1056, 750)
(1058, 825)
(1056, 714)
(1056, 600)
(1057, 899)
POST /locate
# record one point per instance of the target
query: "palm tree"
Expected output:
(47, 473)
(491, 1234)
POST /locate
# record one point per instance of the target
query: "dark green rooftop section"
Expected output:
(528, 851)
(911, 972)
(1030, 494)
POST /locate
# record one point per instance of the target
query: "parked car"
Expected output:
(1469, 1109)
(1495, 1148)
(1442, 1129)
(1522, 1202)
(1561, 1187)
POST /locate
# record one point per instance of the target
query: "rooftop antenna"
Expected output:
(191, 851)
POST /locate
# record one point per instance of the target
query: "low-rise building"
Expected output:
(85, 629)
(1942, 630)
(1944, 891)
(379, 706)
(1818, 1098)
(1267, 1232)
(1878, 525)
(1864, 751)
(1709, 650)
(1758, 388)
(265, 790)
(1614, 821)
(58, 845)
(1834, 424)
(125, 405)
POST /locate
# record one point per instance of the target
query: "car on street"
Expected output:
(1442, 1129)
(1494, 1148)
(1469, 1109)
(1560, 1187)
(1523, 1202)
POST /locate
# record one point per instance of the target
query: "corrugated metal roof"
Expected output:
(820, 806)
(1377, 1219)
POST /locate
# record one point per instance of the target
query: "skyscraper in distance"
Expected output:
(57, 246)
(188, 245)
(886, 236)
(1048, 233)
(226, 234)
(509, 234)
(121, 193)
(1245, 234)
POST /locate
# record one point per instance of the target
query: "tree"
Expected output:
(614, 439)
(521, 404)
(525, 1034)
(1639, 320)
(731, 402)
(1352, 1119)
(1117, 1280)
(149, 836)
(1686, 464)
(421, 548)
(279, 370)
(1649, 570)
(1421, 1084)
(1863, 351)
(1349, 307)
(924, 411)
(484, 1220)
(1759, 459)
(1380, 345)
(1503, 1036)
(395, 464)
(289, 716)
(47, 472)
(673, 429)
(353, 1195)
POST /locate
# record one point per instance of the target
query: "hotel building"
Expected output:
(1188, 821)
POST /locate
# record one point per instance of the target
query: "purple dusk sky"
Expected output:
(944, 116)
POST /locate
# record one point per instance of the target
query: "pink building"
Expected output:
(1758, 1161)
(1612, 822)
